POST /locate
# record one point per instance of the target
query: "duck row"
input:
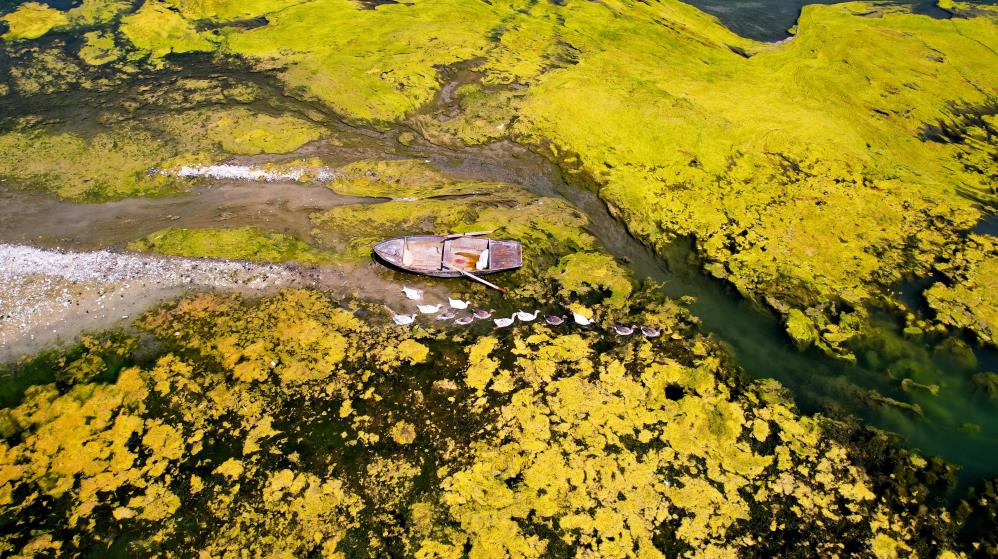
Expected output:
(504, 322)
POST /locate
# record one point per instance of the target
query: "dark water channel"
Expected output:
(769, 20)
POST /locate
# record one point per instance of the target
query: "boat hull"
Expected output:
(428, 254)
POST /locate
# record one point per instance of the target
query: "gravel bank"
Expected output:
(51, 295)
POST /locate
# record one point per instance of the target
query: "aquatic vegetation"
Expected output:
(581, 273)
(970, 299)
(239, 243)
(158, 31)
(400, 179)
(101, 167)
(45, 70)
(373, 65)
(240, 131)
(229, 10)
(119, 164)
(32, 20)
(264, 423)
(99, 48)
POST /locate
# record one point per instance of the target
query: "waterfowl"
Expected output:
(412, 293)
(504, 322)
(581, 320)
(446, 315)
(554, 320)
(525, 316)
(482, 314)
(457, 304)
(650, 332)
(622, 330)
(404, 319)
(464, 320)
(428, 309)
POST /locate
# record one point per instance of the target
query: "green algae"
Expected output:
(32, 20)
(240, 243)
(970, 299)
(122, 163)
(559, 444)
(99, 48)
(400, 178)
(159, 31)
(374, 65)
(240, 131)
(229, 10)
(581, 273)
(101, 167)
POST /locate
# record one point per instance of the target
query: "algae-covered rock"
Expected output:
(403, 432)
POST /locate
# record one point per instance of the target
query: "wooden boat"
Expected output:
(443, 256)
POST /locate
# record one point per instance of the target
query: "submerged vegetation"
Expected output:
(811, 176)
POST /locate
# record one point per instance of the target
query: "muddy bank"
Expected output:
(42, 220)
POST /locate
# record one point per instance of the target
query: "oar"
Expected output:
(456, 235)
(502, 290)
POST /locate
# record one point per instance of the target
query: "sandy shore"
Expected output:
(49, 296)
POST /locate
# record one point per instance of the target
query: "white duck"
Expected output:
(457, 304)
(404, 319)
(504, 322)
(581, 320)
(428, 309)
(412, 293)
(525, 316)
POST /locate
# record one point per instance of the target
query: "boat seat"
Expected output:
(422, 254)
(466, 252)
